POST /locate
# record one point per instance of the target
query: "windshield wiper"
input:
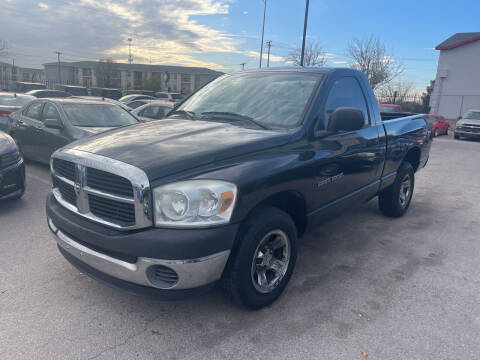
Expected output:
(189, 114)
(239, 117)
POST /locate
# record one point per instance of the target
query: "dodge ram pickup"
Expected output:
(221, 189)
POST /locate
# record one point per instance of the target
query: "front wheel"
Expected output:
(395, 200)
(264, 259)
(456, 136)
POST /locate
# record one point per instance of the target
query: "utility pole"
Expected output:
(130, 58)
(59, 72)
(14, 72)
(243, 66)
(263, 30)
(269, 44)
(304, 33)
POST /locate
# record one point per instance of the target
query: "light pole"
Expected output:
(263, 30)
(304, 33)
(130, 58)
(59, 72)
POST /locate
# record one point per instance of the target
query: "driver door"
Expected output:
(346, 169)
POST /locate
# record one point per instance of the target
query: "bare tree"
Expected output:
(394, 93)
(107, 74)
(314, 55)
(370, 56)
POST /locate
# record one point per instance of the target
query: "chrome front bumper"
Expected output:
(191, 273)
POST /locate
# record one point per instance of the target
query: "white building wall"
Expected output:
(457, 85)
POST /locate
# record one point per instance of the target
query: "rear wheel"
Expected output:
(395, 200)
(263, 262)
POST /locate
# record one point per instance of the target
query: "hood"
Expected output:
(467, 121)
(93, 130)
(7, 144)
(162, 148)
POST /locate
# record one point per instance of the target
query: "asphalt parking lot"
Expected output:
(404, 288)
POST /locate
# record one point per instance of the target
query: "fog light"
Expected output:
(162, 276)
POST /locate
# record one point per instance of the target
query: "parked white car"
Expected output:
(172, 97)
(153, 110)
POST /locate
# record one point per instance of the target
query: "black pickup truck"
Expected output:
(222, 188)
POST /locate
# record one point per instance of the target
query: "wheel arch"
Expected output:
(413, 157)
(291, 202)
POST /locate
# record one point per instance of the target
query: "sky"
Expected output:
(222, 34)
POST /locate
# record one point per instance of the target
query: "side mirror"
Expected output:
(346, 119)
(53, 124)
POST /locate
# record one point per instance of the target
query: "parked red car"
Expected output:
(440, 125)
(391, 108)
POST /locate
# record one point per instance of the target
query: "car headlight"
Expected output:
(194, 203)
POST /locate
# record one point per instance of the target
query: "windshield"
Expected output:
(98, 115)
(268, 99)
(473, 115)
(10, 100)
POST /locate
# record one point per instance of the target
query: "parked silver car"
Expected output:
(153, 110)
(469, 125)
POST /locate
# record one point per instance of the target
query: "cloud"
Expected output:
(340, 62)
(245, 12)
(163, 31)
(273, 58)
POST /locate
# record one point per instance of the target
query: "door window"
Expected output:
(34, 111)
(50, 112)
(346, 92)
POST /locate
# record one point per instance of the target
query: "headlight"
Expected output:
(194, 203)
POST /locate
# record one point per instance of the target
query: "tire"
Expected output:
(446, 131)
(259, 232)
(390, 201)
(456, 136)
(435, 133)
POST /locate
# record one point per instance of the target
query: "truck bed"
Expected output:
(386, 116)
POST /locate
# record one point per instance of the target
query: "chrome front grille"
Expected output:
(112, 210)
(102, 189)
(64, 168)
(67, 191)
(112, 183)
